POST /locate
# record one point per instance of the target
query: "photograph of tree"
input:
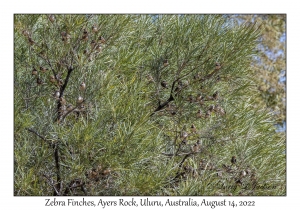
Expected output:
(149, 105)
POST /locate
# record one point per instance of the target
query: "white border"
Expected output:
(11, 7)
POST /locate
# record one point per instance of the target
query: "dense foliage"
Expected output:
(141, 105)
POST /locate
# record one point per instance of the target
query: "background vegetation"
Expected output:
(142, 105)
(270, 63)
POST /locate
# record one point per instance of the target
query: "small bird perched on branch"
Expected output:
(211, 108)
(43, 69)
(101, 39)
(52, 18)
(222, 111)
(79, 100)
(65, 36)
(98, 48)
(218, 66)
(62, 101)
(199, 97)
(184, 134)
(30, 40)
(85, 35)
(199, 114)
(82, 107)
(25, 33)
(52, 79)
(56, 94)
(243, 173)
(164, 84)
(219, 110)
(93, 44)
(34, 71)
(216, 95)
(82, 86)
(69, 107)
(193, 128)
(39, 81)
(233, 160)
(94, 28)
(166, 62)
(195, 147)
(207, 114)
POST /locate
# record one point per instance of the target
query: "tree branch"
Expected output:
(163, 105)
(36, 133)
(58, 178)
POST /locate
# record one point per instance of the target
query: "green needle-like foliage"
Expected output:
(141, 105)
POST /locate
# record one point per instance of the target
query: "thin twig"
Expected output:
(179, 154)
(36, 133)
(70, 111)
(56, 157)
(50, 182)
(185, 157)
